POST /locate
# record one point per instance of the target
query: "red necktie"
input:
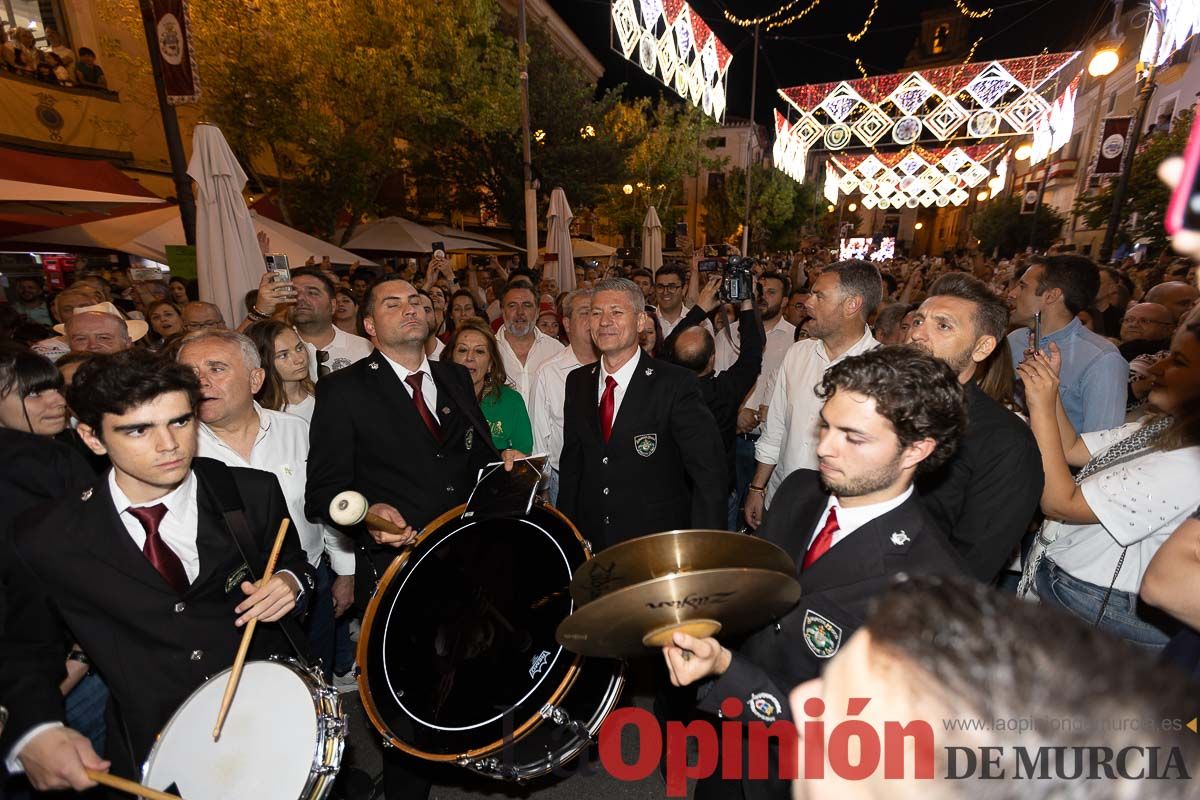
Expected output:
(414, 380)
(161, 556)
(824, 540)
(608, 402)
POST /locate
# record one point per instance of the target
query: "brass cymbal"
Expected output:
(648, 557)
(725, 601)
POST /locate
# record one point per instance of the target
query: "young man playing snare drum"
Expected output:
(141, 570)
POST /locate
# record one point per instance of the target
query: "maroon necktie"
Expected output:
(608, 403)
(414, 380)
(161, 556)
(824, 540)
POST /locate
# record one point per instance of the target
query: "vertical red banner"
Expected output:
(1110, 150)
(175, 51)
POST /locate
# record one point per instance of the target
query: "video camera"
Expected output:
(737, 280)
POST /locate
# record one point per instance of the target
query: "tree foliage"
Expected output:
(1146, 197)
(1000, 225)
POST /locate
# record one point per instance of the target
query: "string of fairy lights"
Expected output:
(854, 37)
(783, 16)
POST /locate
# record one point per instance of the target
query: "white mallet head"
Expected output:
(348, 508)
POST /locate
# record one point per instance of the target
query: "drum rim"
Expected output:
(317, 690)
(368, 624)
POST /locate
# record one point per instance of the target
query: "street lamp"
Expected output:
(918, 226)
(829, 209)
(852, 207)
(982, 196)
(627, 189)
(1024, 150)
(1104, 61)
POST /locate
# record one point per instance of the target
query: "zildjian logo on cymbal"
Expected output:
(693, 601)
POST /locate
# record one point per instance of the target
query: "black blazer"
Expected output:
(366, 435)
(35, 469)
(78, 574)
(837, 592)
(663, 467)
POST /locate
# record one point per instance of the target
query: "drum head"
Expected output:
(267, 746)
(458, 647)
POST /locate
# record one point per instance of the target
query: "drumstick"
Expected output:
(239, 661)
(124, 785)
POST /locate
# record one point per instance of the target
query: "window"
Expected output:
(939, 38)
(715, 143)
(1112, 102)
(716, 182)
(36, 16)
(1166, 113)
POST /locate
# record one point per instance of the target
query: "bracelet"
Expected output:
(80, 656)
(255, 314)
(757, 489)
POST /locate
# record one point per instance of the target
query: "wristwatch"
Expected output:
(80, 656)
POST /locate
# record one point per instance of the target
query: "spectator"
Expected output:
(1177, 296)
(1146, 328)
(24, 52)
(1093, 374)
(548, 322)
(985, 495)
(797, 310)
(650, 337)
(61, 74)
(474, 346)
(888, 323)
(1108, 302)
(313, 317)
(88, 72)
(360, 280)
(438, 295)
(287, 387)
(30, 300)
(101, 329)
(669, 286)
(199, 316)
(166, 322)
(31, 400)
(463, 306)
(65, 54)
(433, 345)
(1137, 484)
(182, 291)
(644, 281)
(523, 347)
(345, 311)
(842, 299)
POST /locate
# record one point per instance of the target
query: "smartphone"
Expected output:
(708, 265)
(277, 263)
(139, 274)
(1035, 335)
(1183, 211)
(439, 249)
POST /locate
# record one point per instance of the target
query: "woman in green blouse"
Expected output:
(474, 346)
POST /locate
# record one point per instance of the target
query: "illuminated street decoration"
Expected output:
(997, 98)
(1052, 130)
(790, 152)
(670, 41)
(911, 177)
(1180, 19)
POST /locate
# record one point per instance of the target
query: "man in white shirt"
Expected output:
(523, 347)
(433, 345)
(239, 432)
(550, 384)
(842, 299)
(669, 286)
(313, 318)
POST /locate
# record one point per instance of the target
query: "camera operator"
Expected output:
(692, 346)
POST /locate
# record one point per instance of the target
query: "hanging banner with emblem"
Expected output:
(1029, 197)
(171, 27)
(1110, 150)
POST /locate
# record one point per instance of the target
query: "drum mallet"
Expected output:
(235, 674)
(350, 508)
(123, 785)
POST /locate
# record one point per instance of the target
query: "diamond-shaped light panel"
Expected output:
(1024, 111)
(840, 102)
(990, 85)
(946, 118)
(912, 93)
(871, 125)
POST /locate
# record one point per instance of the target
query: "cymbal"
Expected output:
(673, 552)
(725, 601)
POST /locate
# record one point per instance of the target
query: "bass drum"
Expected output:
(458, 658)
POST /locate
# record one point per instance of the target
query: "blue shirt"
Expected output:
(1092, 380)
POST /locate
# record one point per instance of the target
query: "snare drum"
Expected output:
(282, 740)
(457, 651)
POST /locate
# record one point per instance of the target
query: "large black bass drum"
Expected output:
(458, 658)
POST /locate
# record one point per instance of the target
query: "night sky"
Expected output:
(815, 50)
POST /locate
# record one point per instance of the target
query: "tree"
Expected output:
(1000, 224)
(1146, 197)
(772, 205)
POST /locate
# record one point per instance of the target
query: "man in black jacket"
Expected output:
(641, 451)
(986, 494)
(690, 345)
(852, 528)
(141, 570)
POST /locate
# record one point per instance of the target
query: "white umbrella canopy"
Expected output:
(229, 262)
(144, 234)
(651, 241)
(299, 247)
(558, 241)
(400, 235)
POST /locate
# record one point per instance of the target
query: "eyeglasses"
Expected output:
(198, 326)
(668, 287)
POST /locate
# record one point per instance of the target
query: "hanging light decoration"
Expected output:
(967, 12)
(854, 37)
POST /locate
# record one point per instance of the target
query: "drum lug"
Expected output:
(489, 767)
(555, 714)
(335, 726)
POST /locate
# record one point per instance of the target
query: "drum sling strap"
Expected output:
(218, 482)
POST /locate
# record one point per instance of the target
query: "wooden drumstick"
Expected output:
(350, 508)
(239, 661)
(124, 785)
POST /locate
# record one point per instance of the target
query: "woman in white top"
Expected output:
(288, 386)
(1137, 484)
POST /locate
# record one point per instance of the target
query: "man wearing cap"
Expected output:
(100, 328)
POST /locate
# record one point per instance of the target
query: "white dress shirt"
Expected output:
(669, 326)
(281, 448)
(779, 341)
(622, 376)
(428, 387)
(521, 375)
(546, 402)
(178, 526)
(438, 347)
(345, 349)
(851, 519)
(789, 437)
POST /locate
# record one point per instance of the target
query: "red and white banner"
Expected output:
(1110, 150)
(175, 51)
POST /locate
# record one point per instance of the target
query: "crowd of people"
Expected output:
(873, 419)
(55, 63)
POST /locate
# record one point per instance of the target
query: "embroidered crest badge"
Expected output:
(649, 371)
(469, 438)
(236, 577)
(645, 444)
(86, 496)
(900, 538)
(374, 365)
(764, 706)
(822, 636)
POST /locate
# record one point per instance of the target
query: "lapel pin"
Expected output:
(86, 495)
(445, 409)
(374, 365)
(900, 538)
(649, 371)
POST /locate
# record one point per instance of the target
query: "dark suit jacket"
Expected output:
(366, 435)
(79, 574)
(35, 469)
(663, 467)
(837, 591)
(985, 495)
